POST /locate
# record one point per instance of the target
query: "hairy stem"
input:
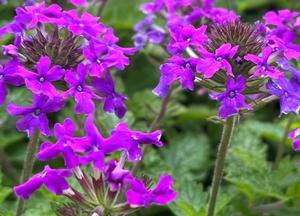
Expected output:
(154, 125)
(101, 8)
(28, 167)
(281, 147)
(228, 129)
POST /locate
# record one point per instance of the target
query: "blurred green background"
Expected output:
(251, 186)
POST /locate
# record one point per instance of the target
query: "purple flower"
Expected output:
(40, 82)
(177, 68)
(10, 50)
(152, 7)
(67, 145)
(53, 179)
(294, 135)
(115, 175)
(262, 66)
(113, 101)
(78, 2)
(86, 25)
(32, 15)
(96, 154)
(211, 63)
(8, 76)
(280, 19)
(140, 196)
(124, 139)
(288, 94)
(183, 37)
(34, 117)
(232, 100)
(82, 93)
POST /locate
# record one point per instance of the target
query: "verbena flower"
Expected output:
(294, 135)
(211, 63)
(40, 82)
(53, 179)
(140, 195)
(8, 75)
(288, 94)
(176, 68)
(35, 116)
(80, 91)
(112, 100)
(66, 146)
(232, 100)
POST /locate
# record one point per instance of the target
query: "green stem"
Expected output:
(281, 147)
(154, 126)
(28, 167)
(228, 129)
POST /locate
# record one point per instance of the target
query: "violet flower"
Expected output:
(294, 135)
(32, 15)
(115, 175)
(82, 93)
(67, 145)
(140, 196)
(262, 66)
(288, 94)
(40, 82)
(113, 101)
(176, 68)
(86, 25)
(35, 116)
(211, 63)
(183, 37)
(8, 76)
(53, 179)
(232, 100)
(78, 3)
(124, 139)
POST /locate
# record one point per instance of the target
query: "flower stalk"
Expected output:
(281, 147)
(28, 166)
(228, 130)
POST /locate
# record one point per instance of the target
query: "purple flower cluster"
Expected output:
(237, 61)
(60, 55)
(91, 149)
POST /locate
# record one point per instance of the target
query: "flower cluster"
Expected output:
(90, 150)
(62, 56)
(239, 62)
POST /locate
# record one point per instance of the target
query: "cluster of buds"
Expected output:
(60, 55)
(241, 64)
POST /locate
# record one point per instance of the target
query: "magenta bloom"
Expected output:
(294, 135)
(183, 37)
(232, 100)
(288, 93)
(280, 18)
(40, 82)
(176, 68)
(67, 145)
(262, 66)
(82, 93)
(77, 2)
(86, 25)
(124, 139)
(53, 179)
(211, 63)
(113, 101)
(35, 116)
(140, 196)
(115, 175)
(8, 76)
(32, 15)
